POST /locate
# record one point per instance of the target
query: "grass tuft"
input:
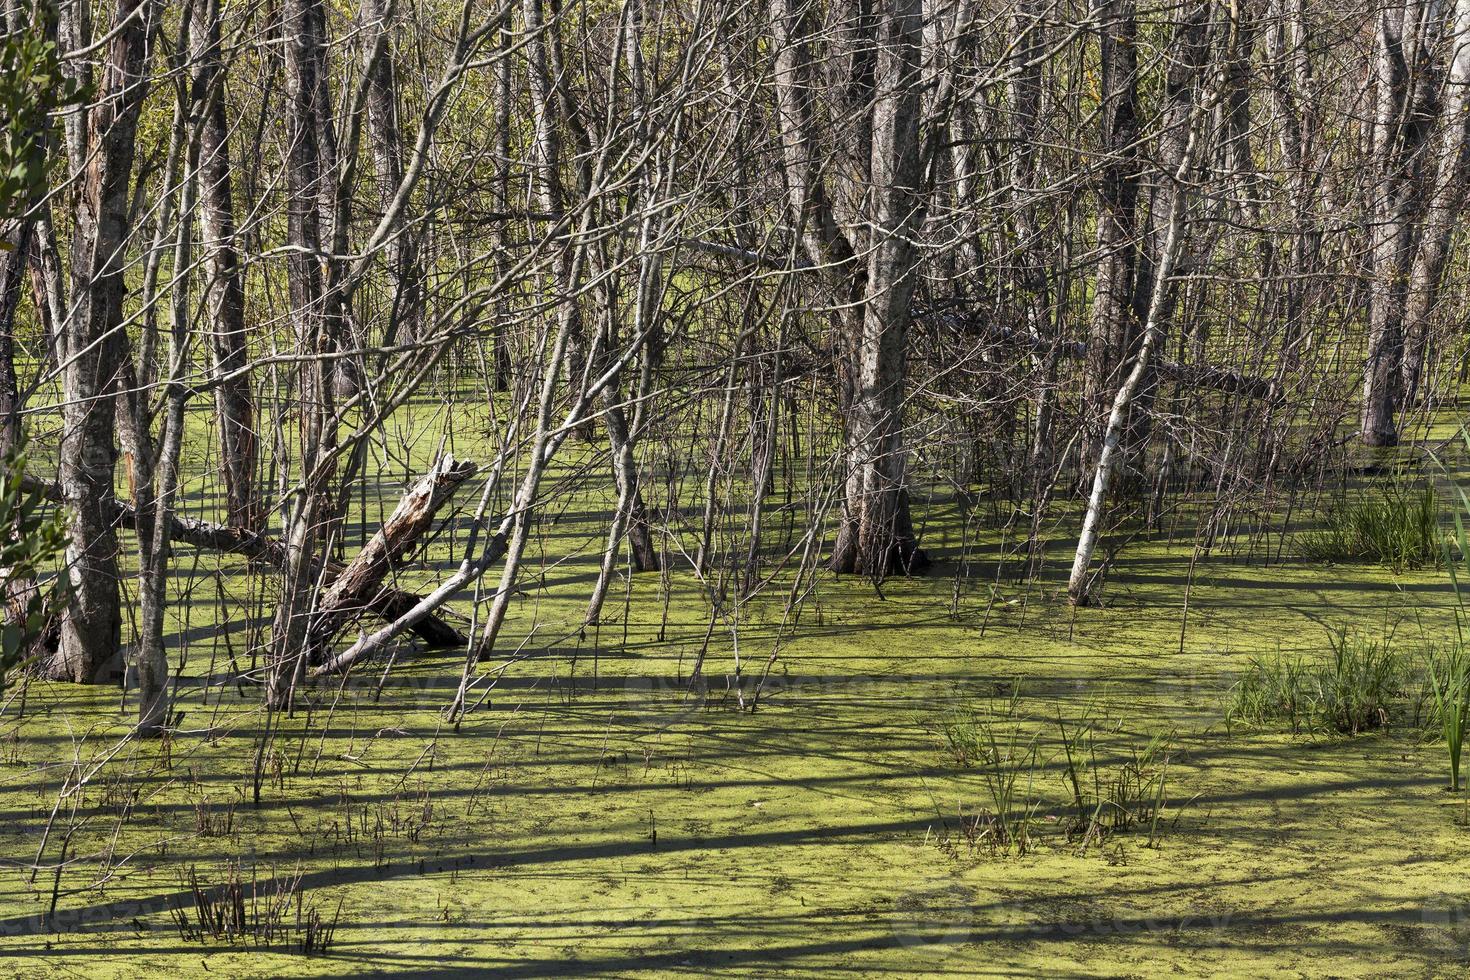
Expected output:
(1111, 796)
(1448, 675)
(1386, 524)
(269, 913)
(1355, 687)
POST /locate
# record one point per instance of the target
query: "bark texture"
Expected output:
(1112, 327)
(877, 534)
(94, 347)
(1402, 111)
(1446, 198)
(389, 604)
(359, 585)
(233, 397)
(315, 319)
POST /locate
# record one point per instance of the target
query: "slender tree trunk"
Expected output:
(1289, 44)
(516, 527)
(91, 628)
(1397, 143)
(18, 236)
(233, 398)
(1111, 330)
(629, 484)
(1241, 32)
(154, 541)
(554, 109)
(546, 106)
(401, 254)
(17, 590)
(1160, 303)
(74, 33)
(153, 465)
(824, 242)
(504, 97)
(1034, 301)
(877, 534)
(305, 48)
(1189, 48)
(632, 516)
(48, 285)
(745, 234)
(1446, 199)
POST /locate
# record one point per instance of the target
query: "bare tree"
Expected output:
(315, 318)
(1403, 112)
(872, 299)
(1446, 198)
(1179, 147)
(92, 345)
(234, 402)
(1112, 328)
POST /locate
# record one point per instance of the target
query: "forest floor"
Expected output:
(592, 818)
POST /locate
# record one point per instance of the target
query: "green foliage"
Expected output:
(1007, 824)
(1449, 685)
(1449, 671)
(1116, 789)
(1114, 782)
(966, 736)
(967, 733)
(1356, 686)
(1273, 689)
(31, 87)
(34, 539)
(1386, 524)
(1363, 677)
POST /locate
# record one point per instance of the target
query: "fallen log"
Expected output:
(359, 585)
(366, 646)
(390, 604)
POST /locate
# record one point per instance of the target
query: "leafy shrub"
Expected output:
(30, 540)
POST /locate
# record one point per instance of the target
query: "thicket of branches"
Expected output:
(1084, 260)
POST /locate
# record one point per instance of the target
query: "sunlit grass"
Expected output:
(1391, 524)
(1359, 683)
